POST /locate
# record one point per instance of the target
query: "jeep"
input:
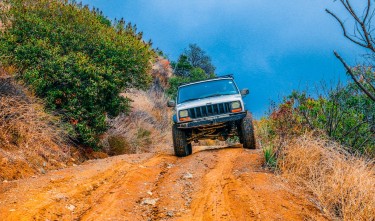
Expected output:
(210, 109)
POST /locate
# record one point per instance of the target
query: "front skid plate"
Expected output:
(211, 121)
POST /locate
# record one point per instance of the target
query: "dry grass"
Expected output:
(343, 185)
(31, 141)
(146, 129)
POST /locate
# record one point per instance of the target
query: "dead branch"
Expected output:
(344, 30)
(365, 39)
(349, 70)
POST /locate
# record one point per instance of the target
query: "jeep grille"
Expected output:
(209, 110)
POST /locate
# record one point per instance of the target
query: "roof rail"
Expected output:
(182, 84)
(217, 77)
(225, 76)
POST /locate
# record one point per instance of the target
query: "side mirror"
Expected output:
(171, 104)
(245, 92)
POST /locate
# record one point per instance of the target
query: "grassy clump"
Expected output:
(75, 59)
(342, 184)
(30, 138)
(119, 145)
(270, 157)
(147, 128)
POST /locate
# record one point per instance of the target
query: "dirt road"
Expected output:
(211, 184)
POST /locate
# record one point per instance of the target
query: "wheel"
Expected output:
(246, 132)
(181, 147)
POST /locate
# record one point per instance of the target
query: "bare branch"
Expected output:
(349, 70)
(344, 30)
(351, 11)
(367, 11)
(365, 40)
(362, 24)
(358, 30)
(369, 20)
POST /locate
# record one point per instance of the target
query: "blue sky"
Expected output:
(271, 46)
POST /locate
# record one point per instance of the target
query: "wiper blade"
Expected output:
(191, 99)
(215, 95)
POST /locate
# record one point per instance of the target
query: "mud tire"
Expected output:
(181, 147)
(246, 132)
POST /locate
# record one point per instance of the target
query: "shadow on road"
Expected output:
(197, 149)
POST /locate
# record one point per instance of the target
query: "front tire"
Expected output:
(246, 132)
(181, 147)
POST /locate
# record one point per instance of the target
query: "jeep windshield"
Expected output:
(206, 89)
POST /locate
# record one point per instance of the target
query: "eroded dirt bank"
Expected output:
(212, 184)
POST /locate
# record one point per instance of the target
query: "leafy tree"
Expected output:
(75, 59)
(182, 67)
(193, 57)
(198, 59)
(197, 74)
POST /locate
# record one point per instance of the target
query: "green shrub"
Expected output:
(270, 157)
(119, 145)
(143, 138)
(343, 114)
(75, 59)
(233, 140)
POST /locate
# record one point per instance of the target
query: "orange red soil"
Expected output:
(212, 184)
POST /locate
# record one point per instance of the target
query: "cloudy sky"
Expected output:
(271, 46)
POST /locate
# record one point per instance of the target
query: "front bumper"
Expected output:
(212, 120)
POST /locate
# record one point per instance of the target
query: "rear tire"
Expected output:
(181, 147)
(246, 132)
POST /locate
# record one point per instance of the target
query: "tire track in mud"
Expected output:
(238, 188)
(66, 194)
(212, 184)
(130, 193)
(210, 200)
(177, 187)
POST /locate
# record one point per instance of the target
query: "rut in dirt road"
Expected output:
(215, 184)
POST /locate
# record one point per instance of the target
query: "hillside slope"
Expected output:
(32, 141)
(211, 184)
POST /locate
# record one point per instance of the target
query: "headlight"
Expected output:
(236, 105)
(183, 113)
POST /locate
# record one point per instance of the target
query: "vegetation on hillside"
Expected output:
(76, 59)
(31, 140)
(343, 114)
(146, 129)
(325, 144)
